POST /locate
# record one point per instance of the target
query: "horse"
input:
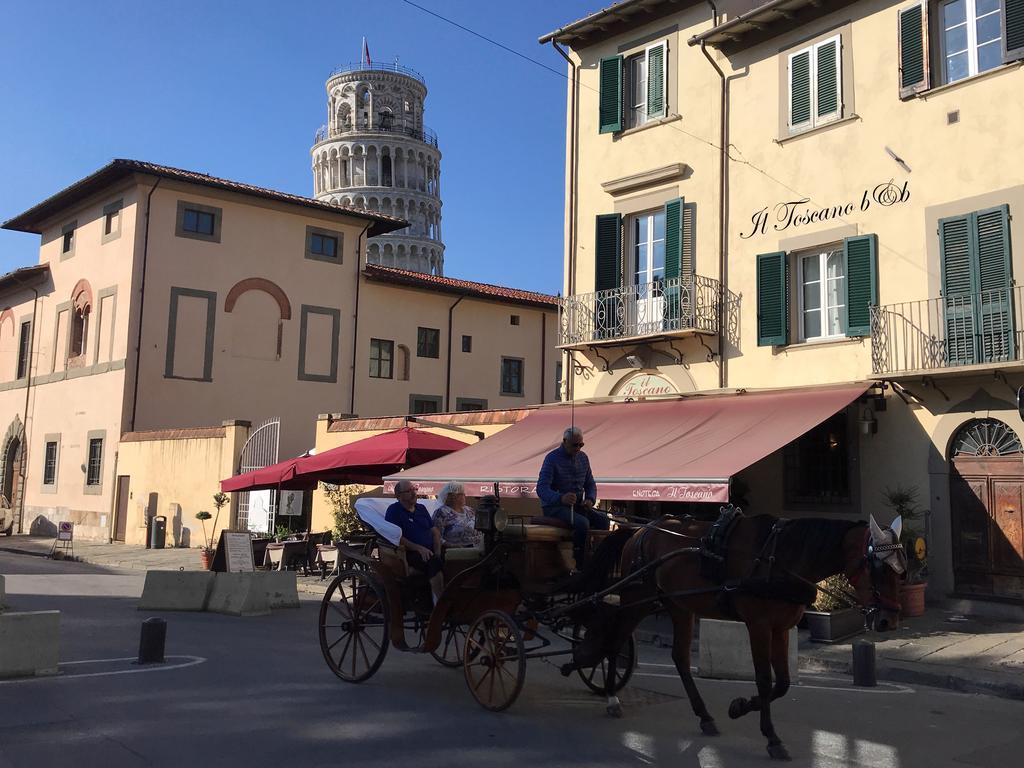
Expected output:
(770, 570)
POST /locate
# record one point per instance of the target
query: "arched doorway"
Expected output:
(987, 498)
(10, 502)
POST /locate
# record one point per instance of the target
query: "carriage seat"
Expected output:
(553, 522)
(371, 511)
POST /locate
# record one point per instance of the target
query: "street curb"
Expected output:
(32, 552)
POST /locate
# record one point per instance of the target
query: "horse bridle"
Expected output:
(873, 562)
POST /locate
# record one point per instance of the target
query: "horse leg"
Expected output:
(761, 652)
(682, 637)
(780, 662)
(613, 707)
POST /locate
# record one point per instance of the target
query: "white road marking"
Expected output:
(187, 661)
(841, 686)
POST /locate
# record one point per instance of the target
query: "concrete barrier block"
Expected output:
(176, 590)
(281, 588)
(3, 595)
(239, 594)
(725, 651)
(29, 643)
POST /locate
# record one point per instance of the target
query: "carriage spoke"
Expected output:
(362, 648)
(344, 651)
(371, 640)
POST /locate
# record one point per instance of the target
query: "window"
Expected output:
(467, 343)
(428, 342)
(511, 376)
(833, 292)
(647, 237)
(470, 404)
(633, 89)
(382, 355)
(95, 465)
(815, 84)
(322, 245)
(67, 243)
(198, 222)
(50, 463)
(421, 404)
(971, 37)
(817, 464)
(111, 221)
(822, 294)
(514, 320)
(24, 340)
(79, 331)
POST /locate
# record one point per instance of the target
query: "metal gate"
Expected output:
(259, 451)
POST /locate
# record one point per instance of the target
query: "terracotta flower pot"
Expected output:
(912, 599)
(206, 558)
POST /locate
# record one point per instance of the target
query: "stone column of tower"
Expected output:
(375, 153)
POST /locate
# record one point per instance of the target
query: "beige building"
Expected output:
(172, 311)
(860, 228)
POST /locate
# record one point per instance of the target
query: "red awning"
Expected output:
(670, 450)
(364, 461)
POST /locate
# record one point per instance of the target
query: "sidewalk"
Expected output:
(941, 648)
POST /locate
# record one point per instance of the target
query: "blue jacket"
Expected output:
(561, 473)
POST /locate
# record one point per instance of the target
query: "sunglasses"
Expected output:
(576, 445)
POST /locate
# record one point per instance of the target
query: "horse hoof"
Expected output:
(614, 710)
(778, 752)
(738, 708)
(708, 728)
(567, 669)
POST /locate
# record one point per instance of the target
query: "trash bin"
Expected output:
(157, 532)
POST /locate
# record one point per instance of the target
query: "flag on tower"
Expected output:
(366, 53)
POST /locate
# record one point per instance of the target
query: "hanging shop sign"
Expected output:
(793, 214)
(646, 385)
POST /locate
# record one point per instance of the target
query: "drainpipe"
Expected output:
(22, 473)
(355, 321)
(142, 306)
(448, 372)
(723, 213)
(573, 200)
(543, 352)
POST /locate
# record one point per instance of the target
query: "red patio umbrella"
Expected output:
(364, 461)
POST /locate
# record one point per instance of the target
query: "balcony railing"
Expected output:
(664, 307)
(948, 332)
(397, 68)
(396, 128)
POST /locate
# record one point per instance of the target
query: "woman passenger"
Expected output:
(455, 520)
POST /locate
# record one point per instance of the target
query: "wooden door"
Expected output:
(1007, 537)
(121, 524)
(969, 502)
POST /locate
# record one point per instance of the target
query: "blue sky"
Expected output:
(236, 89)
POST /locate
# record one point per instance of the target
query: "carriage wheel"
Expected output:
(594, 677)
(453, 643)
(354, 626)
(494, 660)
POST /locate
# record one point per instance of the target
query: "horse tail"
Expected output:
(597, 573)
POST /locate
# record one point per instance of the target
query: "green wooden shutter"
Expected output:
(772, 299)
(828, 90)
(656, 81)
(860, 263)
(995, 299)
(958, 289)
(1013, 30)
(673, 289)
(607, 275)
(800, 88)
(913, 56)
(610, 99)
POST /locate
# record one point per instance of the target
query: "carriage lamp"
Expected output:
(868, 422)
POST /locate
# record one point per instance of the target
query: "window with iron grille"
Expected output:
(50, 464)
(95, 465)
(511, 376)
(817, 464)
(23, 344)
(428, 342)
(382, 356)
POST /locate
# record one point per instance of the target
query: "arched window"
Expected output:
(385, 171)
(81, 307)
(986, 437)
(403, 362)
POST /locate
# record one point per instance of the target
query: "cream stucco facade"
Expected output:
(166, 300)
(875, 189)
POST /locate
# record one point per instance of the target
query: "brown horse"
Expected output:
(771, 570)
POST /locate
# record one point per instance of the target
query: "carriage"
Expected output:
(502, 605)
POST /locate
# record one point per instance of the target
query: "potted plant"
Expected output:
(904, 502)
(207, 551)
(831, 620)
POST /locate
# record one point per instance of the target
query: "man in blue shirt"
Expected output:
(568, 492)
(422, 541)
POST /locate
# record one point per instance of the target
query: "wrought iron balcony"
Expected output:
(397, 127)
(947, 333)
(674, 307)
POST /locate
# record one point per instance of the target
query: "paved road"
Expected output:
(255, 692)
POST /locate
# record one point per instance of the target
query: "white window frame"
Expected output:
(815, 120)
(822, 256)
(631, 222)
(634, 115)
(971, 22)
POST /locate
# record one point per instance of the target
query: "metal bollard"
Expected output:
(151, 641)
(864, 664)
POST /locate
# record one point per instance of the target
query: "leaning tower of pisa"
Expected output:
(375, 153)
